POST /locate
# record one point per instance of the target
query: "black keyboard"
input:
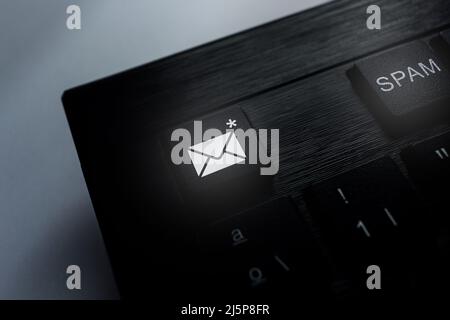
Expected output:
(360, 187)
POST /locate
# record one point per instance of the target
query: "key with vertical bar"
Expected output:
(428, 164)
(268, 246)
(368, 216)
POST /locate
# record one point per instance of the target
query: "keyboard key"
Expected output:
(405, 87)
(428, 164)
(268, 246)
(442, 41)
(368, 216)
(445, 35)
(216, 177)
(441, 44)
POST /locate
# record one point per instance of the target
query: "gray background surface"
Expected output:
(46, 218)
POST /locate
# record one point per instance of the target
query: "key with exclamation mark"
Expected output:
(341, 193)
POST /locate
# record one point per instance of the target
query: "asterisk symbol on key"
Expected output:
(231, 123)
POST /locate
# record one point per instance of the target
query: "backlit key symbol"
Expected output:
(390, 217)
(342, 195)
(281, 262)
(256, 276)
(237, 237)
(363, 227)
(442, 153)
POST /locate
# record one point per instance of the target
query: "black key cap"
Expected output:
(445, 35)
(441, 44)
(442, 41)
(406, 87)
(217, 178)
(266, 247)
(428, 164)
(368, 216)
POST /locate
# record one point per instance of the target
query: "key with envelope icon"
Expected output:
(218, 178)
(216, 154)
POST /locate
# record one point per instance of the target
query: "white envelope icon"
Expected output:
(216, 154)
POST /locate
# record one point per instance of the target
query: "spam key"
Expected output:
(407, 87)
